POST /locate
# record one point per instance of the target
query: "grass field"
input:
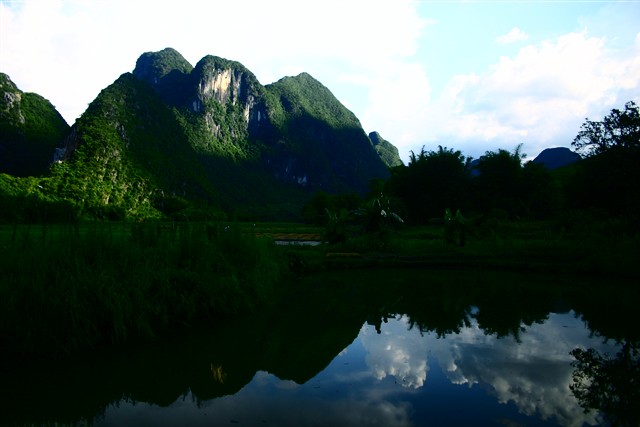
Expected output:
(70, 288)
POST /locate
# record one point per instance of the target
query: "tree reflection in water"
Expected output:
(508, 332)
(610, 384)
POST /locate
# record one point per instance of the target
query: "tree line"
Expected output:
(502, 184)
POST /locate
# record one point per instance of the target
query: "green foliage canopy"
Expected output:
(608, 178)
(432, 182)
(618, 130)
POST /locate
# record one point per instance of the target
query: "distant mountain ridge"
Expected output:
(169, 135)
(554, 158)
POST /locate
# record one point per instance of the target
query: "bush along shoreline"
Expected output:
(67, 289)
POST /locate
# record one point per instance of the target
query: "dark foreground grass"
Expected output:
(65, 289)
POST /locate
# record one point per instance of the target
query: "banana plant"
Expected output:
(455, 228)
(336, 228)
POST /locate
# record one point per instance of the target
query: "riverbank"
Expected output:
(65, 289)
(594, 249)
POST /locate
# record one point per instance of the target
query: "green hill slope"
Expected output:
(169, 138)
(128, 152)
(30, 130)
(387, 151)
(321, 143)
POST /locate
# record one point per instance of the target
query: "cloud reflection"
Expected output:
(533, 373)
(391, 379)
(396, 352)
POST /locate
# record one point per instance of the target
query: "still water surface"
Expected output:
(400, 377)
(418, 351)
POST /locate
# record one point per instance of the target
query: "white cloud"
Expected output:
(398, 101)
(69, 51)
(534, 373)
(513, 36)
(368, 53)
(398, 352)
(538, 97)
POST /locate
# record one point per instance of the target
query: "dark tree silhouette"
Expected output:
(619, 129)
(608, 178)
(540, 192)
(432, 182)
(609, 384)
(499, 183)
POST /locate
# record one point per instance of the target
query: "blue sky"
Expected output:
(472, 75)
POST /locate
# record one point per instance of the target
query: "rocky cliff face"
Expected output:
(228, 84)
(296, 127)
(128, 155)
(10, 112)
(221, 99)
(169, 136)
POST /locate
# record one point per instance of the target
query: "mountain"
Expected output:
(170, 138)
(317, 142)
(299, 132)
(30, 129)
(128, 153)
(387, 151)
(554, 158)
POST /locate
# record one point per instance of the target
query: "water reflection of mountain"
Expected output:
(299, 338)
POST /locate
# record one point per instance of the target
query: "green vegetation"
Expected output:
(160, 64)
(30, 129)
(217, 115)
(163, 145)
(32, 200)
(500, 184)
(171, 139)
(298, 337)
(319, 141)
(572, 244)
(132, 163)
(387, 151)
(432, 182)
(66, 289)
(499, 214)
(607, 179)
(303, 95)
(445, 179)
(609, 383)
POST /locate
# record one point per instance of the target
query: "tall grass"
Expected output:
(606, 247)
(64, 289)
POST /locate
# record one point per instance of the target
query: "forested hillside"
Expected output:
(30, 129)
(207, 141)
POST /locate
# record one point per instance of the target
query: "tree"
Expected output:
(610, 384)
(540, 192)
(315, 210)
(619, 129)
(432, 182)
(608, 178)
(499, 183)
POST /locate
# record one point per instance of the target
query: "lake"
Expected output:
(353, 348)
